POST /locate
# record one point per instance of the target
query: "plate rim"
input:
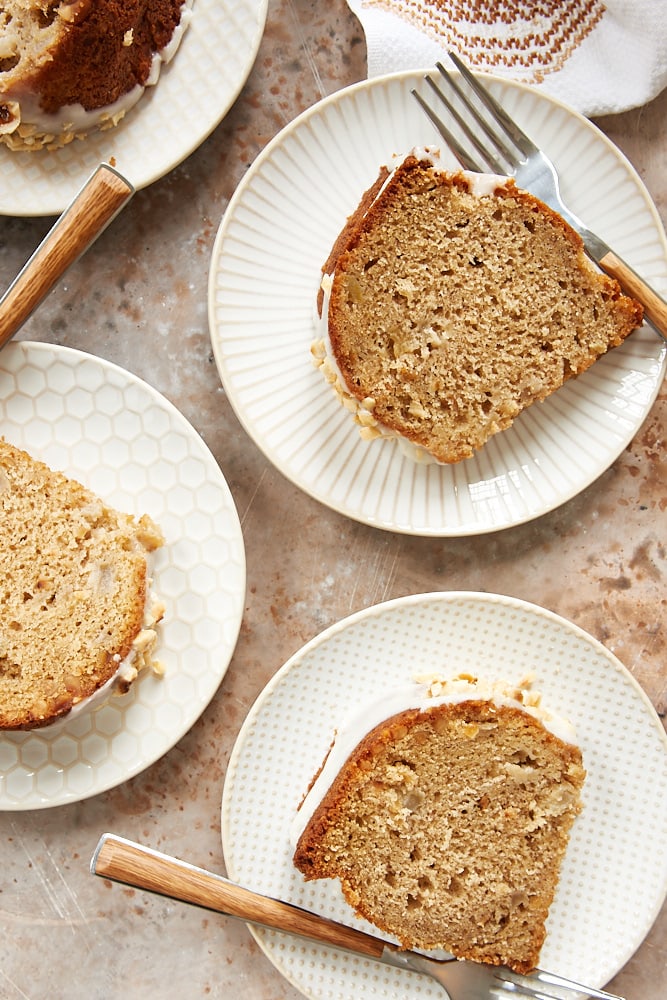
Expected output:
(443, 530)
(37, 801)
(447, 597)
(263, 935)
(408, 74)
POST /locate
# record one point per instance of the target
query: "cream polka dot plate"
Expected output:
(614, 878)
(115, 434)
(193, 94)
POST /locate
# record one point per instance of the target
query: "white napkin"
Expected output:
(599, 58)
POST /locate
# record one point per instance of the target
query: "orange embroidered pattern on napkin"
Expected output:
(534, 39)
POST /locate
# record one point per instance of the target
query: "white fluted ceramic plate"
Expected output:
(614, 878)
(115, 434)
(265, 271)
(194, 93)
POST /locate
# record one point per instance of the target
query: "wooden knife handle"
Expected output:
(124, 861)
(655, 307)
(92, 209)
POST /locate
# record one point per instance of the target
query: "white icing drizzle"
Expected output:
(481, 185)
(424, 693)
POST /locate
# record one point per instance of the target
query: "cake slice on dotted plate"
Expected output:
(445, 809)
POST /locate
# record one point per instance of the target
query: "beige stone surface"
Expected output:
(138, 298)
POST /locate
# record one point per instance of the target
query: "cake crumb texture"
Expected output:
(447, 829)
(73, 591)
(451, 312)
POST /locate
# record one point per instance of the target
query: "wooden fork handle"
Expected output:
(92, 209)
(655, 308)
(132, 864)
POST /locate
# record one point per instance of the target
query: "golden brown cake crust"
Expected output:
(449, 313)
(73, 586)
(447, 828)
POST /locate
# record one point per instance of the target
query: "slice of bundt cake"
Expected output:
(75, 602)
(68, 67)
(447, 821)
(453, 302)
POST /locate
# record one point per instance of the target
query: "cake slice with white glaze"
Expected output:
(444, 809)
(453, 301)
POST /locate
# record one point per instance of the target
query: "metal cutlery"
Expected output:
(133, 864)
(485, 139)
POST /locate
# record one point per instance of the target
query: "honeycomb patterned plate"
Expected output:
(122, 439)
(193, 94)
(614, 878)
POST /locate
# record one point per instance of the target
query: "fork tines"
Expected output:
(541, 985)
(514, 153)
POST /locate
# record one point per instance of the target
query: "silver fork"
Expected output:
(132, 864)
(494, 143)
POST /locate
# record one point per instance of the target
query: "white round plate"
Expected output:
(115, 434)
(265, 271)
(614, 878)
(193, 94)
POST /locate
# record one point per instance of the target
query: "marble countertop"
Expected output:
(599, 560)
